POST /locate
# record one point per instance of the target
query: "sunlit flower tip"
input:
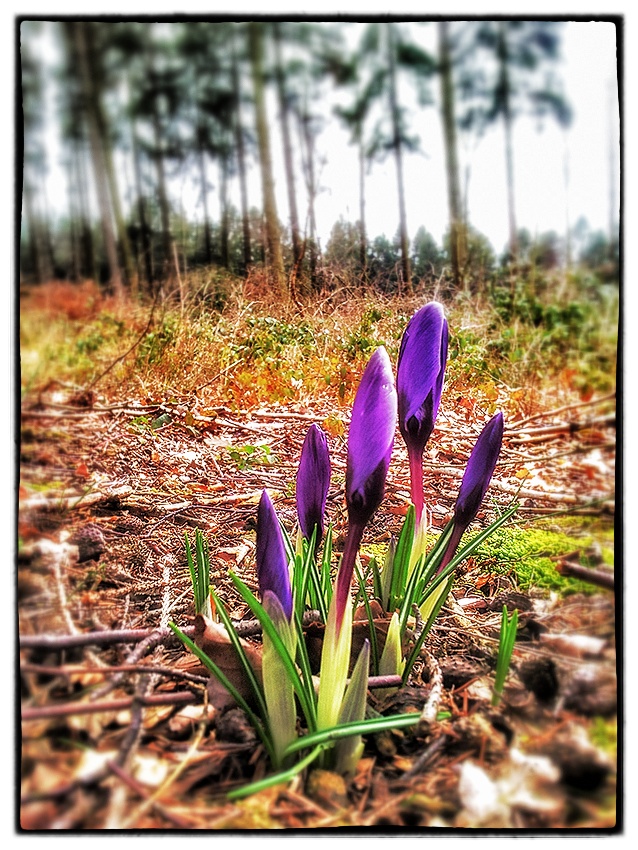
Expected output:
(420, 373)
(478, 472)
(313, 482)
(370, 438)
(272, 562)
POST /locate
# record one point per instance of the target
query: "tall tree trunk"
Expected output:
(398, 157)
(37, 248)
(114, 192)
(458, 249)
(87, 244)
(363, 239)
(273, 239)
(75, 271)
(504, 85)
(241, 161)
(146, 247)
(223, 201)
(78, 30)
(288, 158)
(162, 197)
(308, 161)
(208, 246)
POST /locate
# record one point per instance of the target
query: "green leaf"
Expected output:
(303, 693)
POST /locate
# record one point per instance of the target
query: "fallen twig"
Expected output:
(601, 578)
(546, 413)
(139, 789)
(56, 502)
(525, 435)
(41, 712)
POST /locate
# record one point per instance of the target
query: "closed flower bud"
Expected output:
(313, 482)
(272, 562)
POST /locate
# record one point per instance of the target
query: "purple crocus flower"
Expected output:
(370, 442)
(313, 482)
(272, 562)
(476, 479)
(420, 373)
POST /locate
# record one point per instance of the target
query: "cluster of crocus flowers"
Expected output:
(370, 442)
(416, 399)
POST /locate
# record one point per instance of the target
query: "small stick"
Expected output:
(43, 711)
(139, 789)
(601, 578)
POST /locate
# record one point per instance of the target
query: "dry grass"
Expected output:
(224, 341)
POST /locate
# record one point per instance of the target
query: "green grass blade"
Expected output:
(401, 562)
(359, 727)
(276, 778)
(239, 649)
(374, 649)
(507, 638)
(445, 575)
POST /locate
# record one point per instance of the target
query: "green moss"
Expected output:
(530, 554)
(603, 734)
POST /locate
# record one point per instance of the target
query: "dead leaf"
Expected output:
(213, 639)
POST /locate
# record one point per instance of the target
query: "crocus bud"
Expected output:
(370, 442)
(420, 373)
(476, 479)
(313, 482)
(272, 562)
(370, 439)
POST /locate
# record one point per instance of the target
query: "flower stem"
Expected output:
(452, 546)
(416, 482)
(346, 568)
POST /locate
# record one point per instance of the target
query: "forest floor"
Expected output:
(116, 730)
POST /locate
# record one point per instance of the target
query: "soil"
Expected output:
(117, 731)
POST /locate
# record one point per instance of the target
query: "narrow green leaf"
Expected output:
(239, 649)
(260, 727)
(276, 778)
(402, 560)
(362, 727)
(374, 649)
(270, 629)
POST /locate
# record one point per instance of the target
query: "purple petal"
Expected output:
(420, 373)
(313, 482)
(371, 438)
(272, 561)
(479, 471)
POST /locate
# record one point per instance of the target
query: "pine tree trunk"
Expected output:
(308, 160)
(273, 239)
(504, 85)
(78, 30)
(458, 248)
(363, 240)
(223, 200)
(288, 158)
(406, 271)
(146, 247)
(114, 192)
(208, 247)
(241, 163)
(87, 245)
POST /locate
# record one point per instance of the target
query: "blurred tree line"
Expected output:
(142, 103)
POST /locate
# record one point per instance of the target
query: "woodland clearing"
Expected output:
(140, 425)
